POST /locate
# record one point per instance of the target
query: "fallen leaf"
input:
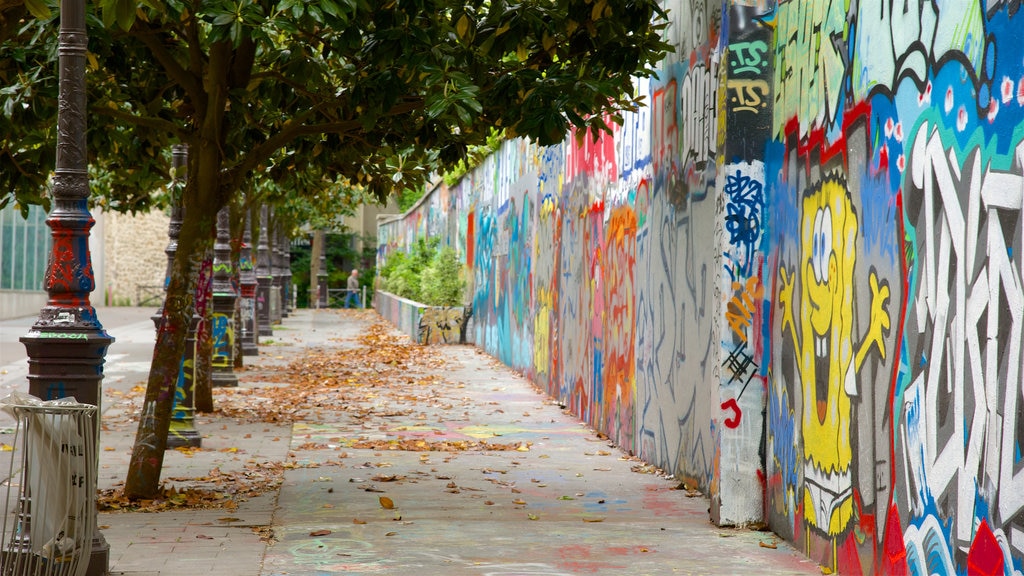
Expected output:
(585, 519)
(204, 537)
(386, 503)
(358, 521)
(533, 517)
(228, 519)
(391, 533)
(764, 544)
(320, 533)
(519, 502)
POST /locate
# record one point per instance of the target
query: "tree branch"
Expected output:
(297, 129)
(142, 121)
(175, 70)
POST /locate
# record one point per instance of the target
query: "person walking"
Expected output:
(352, 297)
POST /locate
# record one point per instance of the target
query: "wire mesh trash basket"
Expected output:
(50, 507)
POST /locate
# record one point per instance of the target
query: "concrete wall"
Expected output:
(794, 280)
(423, 324)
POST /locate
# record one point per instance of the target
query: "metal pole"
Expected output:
(179, 163)
(248, 283)
(223, 328)
(286, 263)
(277, 288)
(264, 279)
(67, 345)
(322, 298)
(182, 431)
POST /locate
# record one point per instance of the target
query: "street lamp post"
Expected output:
(276, 271)
(223, 327)
(67, 345)
(264, 279)
(247, 282)
(286, 274)
(321, 277)
(179, 161)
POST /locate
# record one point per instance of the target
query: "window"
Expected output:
(24, 247)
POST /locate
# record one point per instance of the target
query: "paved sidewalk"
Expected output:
(562, 502)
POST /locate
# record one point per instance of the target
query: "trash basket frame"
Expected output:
(71, 432)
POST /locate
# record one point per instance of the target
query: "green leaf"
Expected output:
(125, 14)
(38, 8)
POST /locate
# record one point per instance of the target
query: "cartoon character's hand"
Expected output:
(786, 301)
(879, 322)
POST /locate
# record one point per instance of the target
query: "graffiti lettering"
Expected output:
(809, 65)
(916, 34)
(964, 438)
(743, 305)
(748, 95)
(698, 101)
(748, 57)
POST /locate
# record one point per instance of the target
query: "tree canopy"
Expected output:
(368, 91)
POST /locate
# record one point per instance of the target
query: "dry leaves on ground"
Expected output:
(361, 381)
(217, 490)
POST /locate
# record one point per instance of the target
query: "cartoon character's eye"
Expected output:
(817, 246)
(826, 242)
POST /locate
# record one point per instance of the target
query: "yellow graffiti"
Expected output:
(743, 304)
(827, 359)
(542, 331)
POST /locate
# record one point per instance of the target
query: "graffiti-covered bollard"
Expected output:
(286, 275)
(222, 327)
(321, 276)
(247, 283)
(179, 164)
(264, 279)
(182, 431)
(277, 287)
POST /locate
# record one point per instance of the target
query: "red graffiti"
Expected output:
(985, 557)
(734, 421)
(894, 551)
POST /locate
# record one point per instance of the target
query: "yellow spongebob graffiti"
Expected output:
(828, 359)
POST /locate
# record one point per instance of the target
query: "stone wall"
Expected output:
(134, 261)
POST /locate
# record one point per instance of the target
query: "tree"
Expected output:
(375, 93)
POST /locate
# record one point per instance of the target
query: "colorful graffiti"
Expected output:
(442, 325)
(794, 281)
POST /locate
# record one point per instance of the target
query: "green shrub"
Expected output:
(428, 275)
(442, 283)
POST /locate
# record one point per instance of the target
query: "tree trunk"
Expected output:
(204, 336)
(207, 190)
(314, 269)
(143, 478)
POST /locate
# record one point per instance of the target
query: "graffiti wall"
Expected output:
(793, 280)
(589, 266)
(895, 386)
